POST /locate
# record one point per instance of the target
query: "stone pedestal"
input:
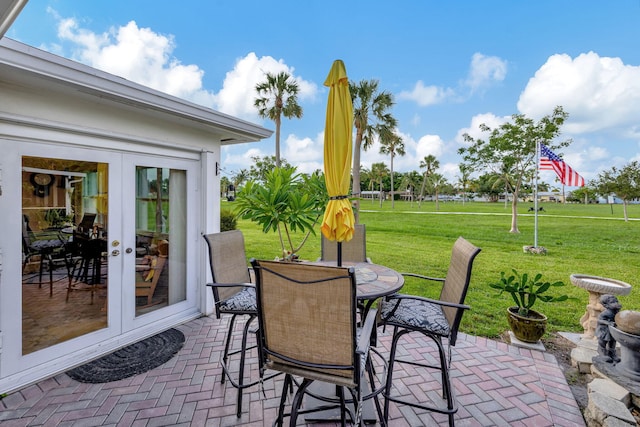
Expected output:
(597, 286)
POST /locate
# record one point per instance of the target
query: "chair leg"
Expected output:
(297, 401)
(447, 391)
(387, 388)
(225, 355)
(371, 373)
(288, 384)
(243, 355)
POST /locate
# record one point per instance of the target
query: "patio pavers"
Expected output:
(496, 385)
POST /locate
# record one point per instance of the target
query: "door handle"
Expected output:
(128, 250)
(115, 252)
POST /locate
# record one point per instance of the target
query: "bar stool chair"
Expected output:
(434, 319)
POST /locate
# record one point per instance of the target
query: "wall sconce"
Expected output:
(217, 168)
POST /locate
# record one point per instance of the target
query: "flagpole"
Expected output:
(535, 196)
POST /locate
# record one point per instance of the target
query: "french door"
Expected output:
(95, 245)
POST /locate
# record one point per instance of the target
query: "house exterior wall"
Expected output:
(106, 113)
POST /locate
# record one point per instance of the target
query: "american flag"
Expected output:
(551, 161)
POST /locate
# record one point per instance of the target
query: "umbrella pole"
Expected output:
(339, 257)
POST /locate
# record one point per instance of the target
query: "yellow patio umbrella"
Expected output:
(338, 221)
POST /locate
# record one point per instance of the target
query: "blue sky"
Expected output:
(450, 65)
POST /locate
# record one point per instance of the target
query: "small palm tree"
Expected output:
(392, 144)
(430, 164)
(436, 181)
(277, 97)
(379, 171)
(370, 112)
(464, 179)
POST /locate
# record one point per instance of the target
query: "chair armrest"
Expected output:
(425, 299)
(365, 332)
(420, 276)
(230, 285)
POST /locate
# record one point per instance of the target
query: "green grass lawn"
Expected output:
(585, 239)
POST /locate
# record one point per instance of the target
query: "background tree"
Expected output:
(277, 97)
(510, 150)
(485, 186)
(263, 165)
(370, 115)
(586, 194)
(430, 164)
(623, 183)
(410, 181)
(239, 178)
(436, 182)
(391, 144)
(379, 171)
(464, 178)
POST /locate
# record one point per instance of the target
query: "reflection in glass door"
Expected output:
(64, 248)
(161, 223)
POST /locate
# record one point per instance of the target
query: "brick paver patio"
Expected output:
(496, 385)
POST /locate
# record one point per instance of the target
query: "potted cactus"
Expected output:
(527, 325)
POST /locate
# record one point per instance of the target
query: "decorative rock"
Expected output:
(628, 321)
(601, 407)
(610, 389)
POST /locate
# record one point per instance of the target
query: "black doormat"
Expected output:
(131, 360)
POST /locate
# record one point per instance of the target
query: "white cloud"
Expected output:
(485, 70)
(426, 95)
(599, 93)
(474, 131)
(429, 144)
(238, 89)
(139, 55)
(146, 57)
(306, 154)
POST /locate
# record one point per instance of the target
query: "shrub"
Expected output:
(228, 220)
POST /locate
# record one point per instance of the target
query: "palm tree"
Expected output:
(430, 164)
(379, 171)
(392, 144)
(410, 181)
(370, 115)
(277, 97)
(436, 181)
(463, 179)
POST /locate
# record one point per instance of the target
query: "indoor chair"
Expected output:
(435, 319)
(234, 294)
(47, 246)
(308, 329)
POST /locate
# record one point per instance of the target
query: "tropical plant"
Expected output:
(430, 164)
(277, 97)
(287, 202)
(370, 116)
(391, 144)
(526, 290)
(510, 150)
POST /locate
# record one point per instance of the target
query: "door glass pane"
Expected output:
(161, 195)
(64, 220)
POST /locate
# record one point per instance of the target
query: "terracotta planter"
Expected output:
(527, 329)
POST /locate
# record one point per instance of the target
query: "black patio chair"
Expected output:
(233, 294)
(435, 319)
